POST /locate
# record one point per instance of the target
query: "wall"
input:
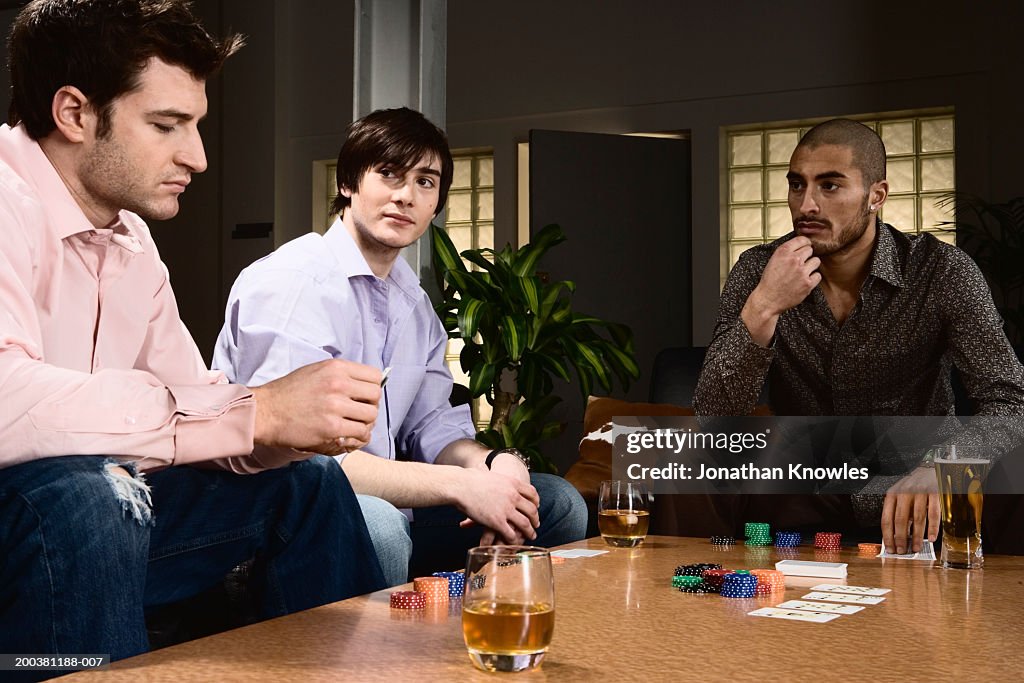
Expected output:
(616, 67)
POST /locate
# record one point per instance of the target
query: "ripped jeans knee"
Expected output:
(130, 489)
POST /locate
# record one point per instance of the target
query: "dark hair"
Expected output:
(399, 137)
(101, 47)
(868, 150)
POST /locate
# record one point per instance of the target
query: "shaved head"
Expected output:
(868, 150)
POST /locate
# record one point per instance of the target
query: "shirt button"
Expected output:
(129, 419)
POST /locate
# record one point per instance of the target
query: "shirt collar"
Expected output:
(885, 260)
(63, 214)
(354, 264)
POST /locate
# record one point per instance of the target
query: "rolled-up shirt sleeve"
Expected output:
(432, 422)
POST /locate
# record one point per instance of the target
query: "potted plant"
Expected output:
(993, 233)
(520, 334)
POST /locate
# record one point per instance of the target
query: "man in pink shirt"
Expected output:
(100, 380)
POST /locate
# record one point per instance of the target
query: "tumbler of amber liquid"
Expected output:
(508, 609)
(622, 513)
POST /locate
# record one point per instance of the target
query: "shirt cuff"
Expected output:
(454, 424)
(214, 421)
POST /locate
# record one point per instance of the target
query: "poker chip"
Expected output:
(433, 588)
(869, 549)
(408, 600)
(769, 581)
(699, 589)
(739, 585)
(757, 533)
(456, 582)
(723, 540)
(787, 539)
(695, 569)
(715, 577)
(825, 540)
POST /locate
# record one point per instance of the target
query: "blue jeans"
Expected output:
(81, 559)
(434, 541)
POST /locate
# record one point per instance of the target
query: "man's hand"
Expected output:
(790, 275)
(911, 502)
(505, 505)
(333, 401)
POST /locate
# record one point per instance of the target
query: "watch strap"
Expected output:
(525, 459)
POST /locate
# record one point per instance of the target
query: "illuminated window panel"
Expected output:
(921, 168)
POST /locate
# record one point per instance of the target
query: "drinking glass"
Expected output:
(508, 610)
(622, 514)
(961, 496)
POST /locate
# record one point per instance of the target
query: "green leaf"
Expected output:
(471, 312)
(513, 334)
(526, 261)
(476, 256)
(528, 291)
(474, 285)
(445, 252)
(480, 382)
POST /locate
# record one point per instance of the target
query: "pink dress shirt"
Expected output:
(94, 359)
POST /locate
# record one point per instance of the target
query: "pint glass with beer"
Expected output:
(961, 496)
(508, 611)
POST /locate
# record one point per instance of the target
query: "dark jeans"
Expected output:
(80, 561)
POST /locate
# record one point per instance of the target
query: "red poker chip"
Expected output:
(408, 600)
(826, 540)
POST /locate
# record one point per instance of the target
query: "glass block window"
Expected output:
(920, 164)
(469, 215)
(469, 220)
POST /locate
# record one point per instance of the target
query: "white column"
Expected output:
(400, 48)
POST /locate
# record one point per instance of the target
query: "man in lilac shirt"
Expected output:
(101, 381)
(348, 294)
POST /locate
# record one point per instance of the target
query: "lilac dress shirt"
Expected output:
(316, 298)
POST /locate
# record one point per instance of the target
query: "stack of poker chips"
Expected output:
(758, 533)
(456, 583)
(739, 584)
(433, 588)
(695, 569)
(696, 585)
(723, 540)
(828, 541)
(408, 600)
(714, 578)
(769, 581)
(869, 549)
(787, 539)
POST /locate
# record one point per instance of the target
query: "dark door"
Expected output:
(624, 203)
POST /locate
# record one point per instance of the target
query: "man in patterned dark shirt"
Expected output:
(848, 316)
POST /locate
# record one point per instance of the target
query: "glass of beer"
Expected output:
(961, 496)
(508, 610)
(622, 513)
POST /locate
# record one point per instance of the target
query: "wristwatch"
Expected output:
(928, 460)
(525, 459)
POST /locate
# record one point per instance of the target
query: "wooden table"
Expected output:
(618, 612)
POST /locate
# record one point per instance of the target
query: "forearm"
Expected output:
(403, 484)
(734, 372)
(463, 453)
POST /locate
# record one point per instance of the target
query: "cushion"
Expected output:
(595, 463)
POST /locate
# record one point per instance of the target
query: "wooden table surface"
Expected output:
(618, 613)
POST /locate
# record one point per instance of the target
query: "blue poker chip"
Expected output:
(787, 539)
(456, 582)
(738, 585)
